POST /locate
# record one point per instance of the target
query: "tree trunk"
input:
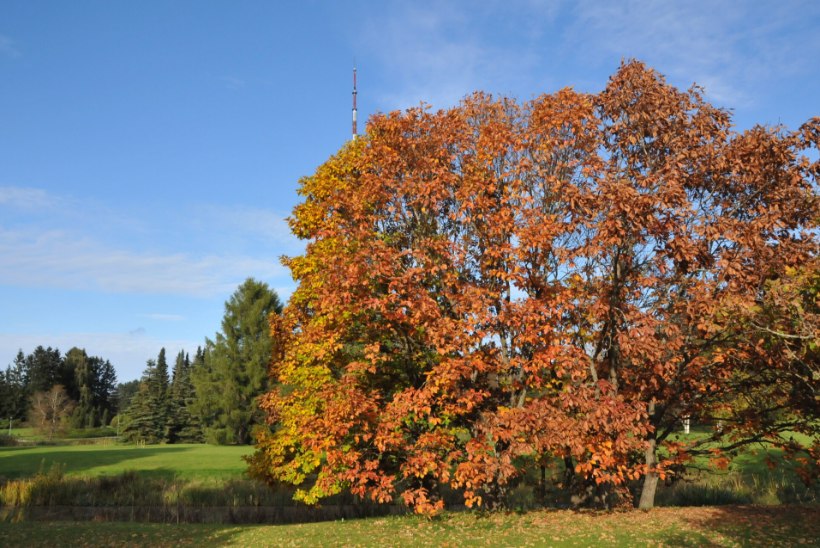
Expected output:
(650, 480)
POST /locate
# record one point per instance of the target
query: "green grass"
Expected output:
(182, 461)
(725, 526)
(168, 477)
(23, 432)
(748, 479)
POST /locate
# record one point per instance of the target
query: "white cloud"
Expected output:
(249, 222)
(438, 52)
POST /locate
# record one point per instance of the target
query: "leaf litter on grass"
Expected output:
(717, 526)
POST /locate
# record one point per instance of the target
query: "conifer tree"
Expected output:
(44, 369)
(14, 399)
(183, 426)
(94, 382)
(77, 360)
(234, 369)
(149, 410)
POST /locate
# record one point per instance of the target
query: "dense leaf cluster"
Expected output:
(499, 285)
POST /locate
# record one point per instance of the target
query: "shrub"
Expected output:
(7, 441)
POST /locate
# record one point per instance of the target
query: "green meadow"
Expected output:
(192, 461)
(749, 504)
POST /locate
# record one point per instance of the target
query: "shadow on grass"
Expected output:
(20, 462)
(165, 497)
(785, 525)
(36, 534)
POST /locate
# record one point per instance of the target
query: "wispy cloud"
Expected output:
(59, 259)
(163, 317)
(8, 47)
(438, 52)
(249, 222)
(203, 254)
(26, 198)
(232, 82)
(724, 45)
(438, 55)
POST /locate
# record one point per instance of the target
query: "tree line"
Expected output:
(499, 287)
(211, 397)
(88, 382)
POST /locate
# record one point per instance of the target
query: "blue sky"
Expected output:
(150, 151)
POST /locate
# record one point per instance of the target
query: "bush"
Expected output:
(699, 494)
(8, 441)
(99, 432)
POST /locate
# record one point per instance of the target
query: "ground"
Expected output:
(712, 526)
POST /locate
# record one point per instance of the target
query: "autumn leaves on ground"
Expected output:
(539, 295)
(727, 526)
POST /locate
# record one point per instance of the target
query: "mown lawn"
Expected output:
(713, 526)
(182, 460)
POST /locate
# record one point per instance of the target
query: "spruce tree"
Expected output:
(140, 425)
(15, 394)
(182, 424)
(76, 360)
(234, 372)
(148, 413)
(104, 389)
(44, 369)
(94, 382)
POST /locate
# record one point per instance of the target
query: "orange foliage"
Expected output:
(496, 282)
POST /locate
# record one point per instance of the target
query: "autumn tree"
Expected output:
(50, 411)
(496, 285)
(688, 217)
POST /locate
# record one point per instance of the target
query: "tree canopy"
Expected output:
(499, 283)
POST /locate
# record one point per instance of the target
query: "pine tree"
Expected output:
(234, 372)
(44, 369)
(139, 415)
(77, 360)
(104, 389)
(182, 424)
(94, 381)
(15, 396)
(148, 413)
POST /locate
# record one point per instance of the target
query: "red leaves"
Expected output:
(494, 283)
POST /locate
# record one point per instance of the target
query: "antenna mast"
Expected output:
(355, 111)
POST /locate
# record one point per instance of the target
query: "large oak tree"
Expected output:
(496, 285)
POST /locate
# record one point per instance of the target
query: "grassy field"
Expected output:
(724, 526)
(215, 475)
(165, 476)
(182, 461)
